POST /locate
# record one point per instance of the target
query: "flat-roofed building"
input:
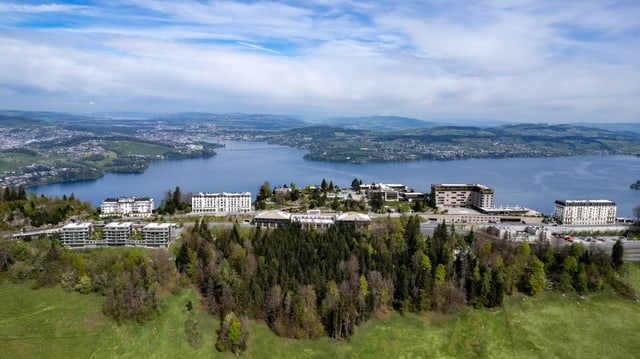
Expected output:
(127, 206)
(385, 194)
(221, 202)
(463, 195)
(413, 196)
(157, 234)
(117, 233)
(75, 234)
(585, 212)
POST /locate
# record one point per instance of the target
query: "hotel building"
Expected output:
(127, 206)
(585, 212)
(463, 195)
(221, 202)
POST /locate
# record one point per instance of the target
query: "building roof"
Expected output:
(585, 202)
(113, 225)
(465, 185)
(353, 217)
(77, 225)
(127, 199)
(273, 215)
(157, 226)
(220, 194)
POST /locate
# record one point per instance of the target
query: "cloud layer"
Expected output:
(543, 61)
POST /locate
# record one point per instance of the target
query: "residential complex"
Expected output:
(585, 212)
(127, 207)
(117, 234)
(462, 195)
(221, 202)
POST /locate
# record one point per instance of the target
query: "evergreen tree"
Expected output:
(264, 192)
(355, 185)
(616, 255)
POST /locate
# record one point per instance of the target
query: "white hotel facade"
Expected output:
(127, 206)
(585, 212)
(223, 202)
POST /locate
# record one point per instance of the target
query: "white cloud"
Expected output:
(8, 7)
(510, 61)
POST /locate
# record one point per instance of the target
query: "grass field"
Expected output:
(125, 147)
(49, 323)
(12, 160)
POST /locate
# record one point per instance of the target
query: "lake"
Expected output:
(243, 166)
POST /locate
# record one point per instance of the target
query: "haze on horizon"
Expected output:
(515, 60)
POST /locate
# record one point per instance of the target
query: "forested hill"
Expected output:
(456, 142)
(380, 123)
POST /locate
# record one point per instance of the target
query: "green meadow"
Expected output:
(51, 323)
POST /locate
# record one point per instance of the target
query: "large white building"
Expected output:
(585, 212)
(221, 202)
(127, 206)
(463, 195)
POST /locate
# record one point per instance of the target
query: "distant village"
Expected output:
(456, 204)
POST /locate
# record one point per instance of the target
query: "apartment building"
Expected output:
(117, 233)
(157, 234)
(75, 234)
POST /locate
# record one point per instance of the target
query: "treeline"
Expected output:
(307, 284)
(174, 202)
(17, 209)
(130, 279)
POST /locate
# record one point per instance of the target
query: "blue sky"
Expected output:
(512, 60)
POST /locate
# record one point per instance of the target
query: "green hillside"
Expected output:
(51, 323)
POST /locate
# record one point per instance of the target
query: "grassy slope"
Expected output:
(51, 323)
(12, 160)
(127, 147)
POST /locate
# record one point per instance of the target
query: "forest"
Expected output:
(304, 283)
(307, 284)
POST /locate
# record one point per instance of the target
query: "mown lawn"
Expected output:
(50, 323)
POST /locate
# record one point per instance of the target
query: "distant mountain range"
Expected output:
(270, 122)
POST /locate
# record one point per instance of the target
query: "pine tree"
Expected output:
(616, 255)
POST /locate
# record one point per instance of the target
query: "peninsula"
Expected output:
(45, 147)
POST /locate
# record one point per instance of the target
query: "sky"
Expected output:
(542, 61)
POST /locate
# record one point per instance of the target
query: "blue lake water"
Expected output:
(243, 166)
